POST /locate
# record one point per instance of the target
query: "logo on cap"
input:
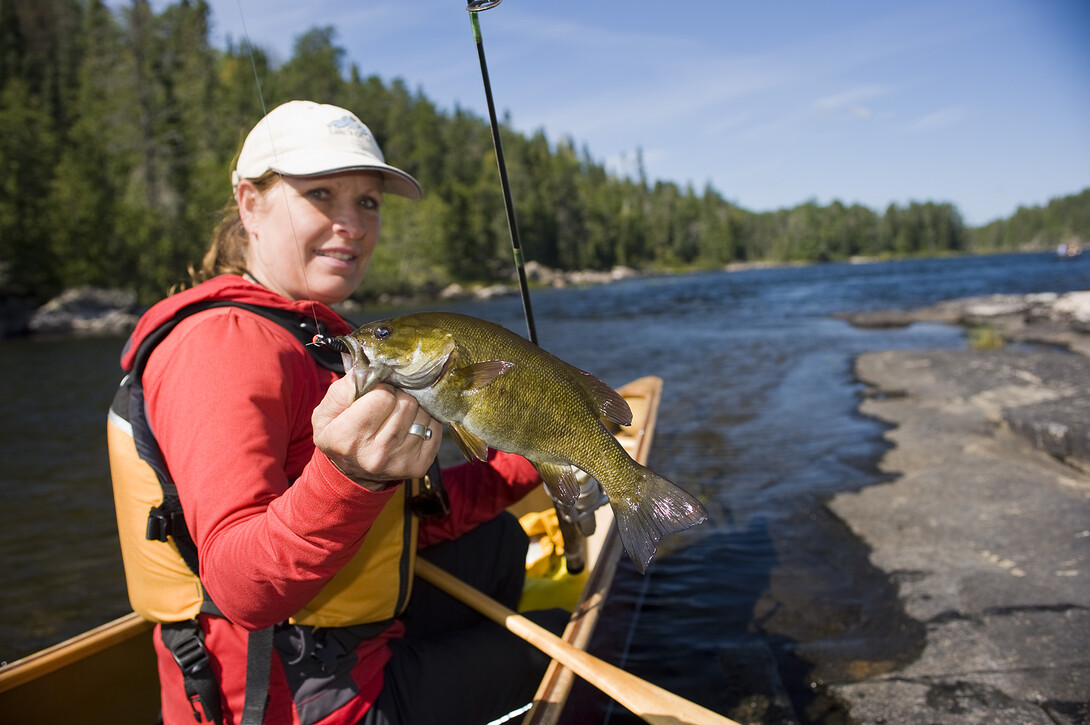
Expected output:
(349, 126)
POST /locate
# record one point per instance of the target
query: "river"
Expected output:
(759, 418)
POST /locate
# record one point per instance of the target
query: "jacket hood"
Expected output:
(226, 287)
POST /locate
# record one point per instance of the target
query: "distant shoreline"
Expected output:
(92, 311)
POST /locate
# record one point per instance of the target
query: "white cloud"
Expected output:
(848, 105)
(942, 118)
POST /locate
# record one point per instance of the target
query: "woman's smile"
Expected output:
(338, 257)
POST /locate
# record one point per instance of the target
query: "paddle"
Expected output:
(650, 702)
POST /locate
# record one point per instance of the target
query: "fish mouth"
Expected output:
(356, 364)
(351, 352)
(369, 372)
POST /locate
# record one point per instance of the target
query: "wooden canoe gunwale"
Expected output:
(105, 675)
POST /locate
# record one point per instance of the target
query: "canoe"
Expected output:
(109, 674)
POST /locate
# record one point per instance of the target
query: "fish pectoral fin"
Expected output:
(609, 403)
(560, 482)
(471, 445)
(481, 374)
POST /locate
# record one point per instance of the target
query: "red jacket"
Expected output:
(229, 397)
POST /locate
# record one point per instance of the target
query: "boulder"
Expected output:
(88, 311)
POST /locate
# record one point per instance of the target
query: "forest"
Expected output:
(118, 130)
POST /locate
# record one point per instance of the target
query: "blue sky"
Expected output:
(982, 104)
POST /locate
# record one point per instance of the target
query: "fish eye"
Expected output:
(382, 332)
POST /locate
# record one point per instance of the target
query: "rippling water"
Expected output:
(742, 614)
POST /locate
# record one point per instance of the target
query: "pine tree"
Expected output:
(27, 144)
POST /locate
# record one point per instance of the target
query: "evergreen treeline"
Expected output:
(1061, 220)
(118, 132)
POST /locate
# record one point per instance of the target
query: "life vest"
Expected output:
(160, 558)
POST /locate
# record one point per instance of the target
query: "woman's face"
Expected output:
(311, 238)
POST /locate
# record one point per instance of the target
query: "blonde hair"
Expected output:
(227, 252)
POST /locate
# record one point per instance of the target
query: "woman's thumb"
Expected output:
(340, 395)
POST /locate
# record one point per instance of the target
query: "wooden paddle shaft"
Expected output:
(650, 702)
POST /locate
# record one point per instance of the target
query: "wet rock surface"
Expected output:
(985, 523)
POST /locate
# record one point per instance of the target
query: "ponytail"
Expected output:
(227, 252)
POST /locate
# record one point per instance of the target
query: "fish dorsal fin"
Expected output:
(609, 403)
(478, 375)
(560, 482)
(472, 446)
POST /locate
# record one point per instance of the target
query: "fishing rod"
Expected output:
(576, 522)
(475, 7)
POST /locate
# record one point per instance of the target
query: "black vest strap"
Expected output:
(258, 670)
(185, 640)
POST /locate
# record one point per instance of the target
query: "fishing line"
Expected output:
(276, 158)
(631, 635)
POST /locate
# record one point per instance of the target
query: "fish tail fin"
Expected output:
(659, 509)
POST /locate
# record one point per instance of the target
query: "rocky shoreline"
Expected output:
(85, 311)
(1045, 319)
(984, 525)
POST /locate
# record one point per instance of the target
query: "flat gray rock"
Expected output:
(985, 527)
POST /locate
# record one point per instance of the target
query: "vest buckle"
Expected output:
(190, 655)
(161, 524)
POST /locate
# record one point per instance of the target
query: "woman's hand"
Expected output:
(368, 439)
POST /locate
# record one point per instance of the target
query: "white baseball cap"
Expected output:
(303, 138)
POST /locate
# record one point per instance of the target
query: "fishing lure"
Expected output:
(331, 343)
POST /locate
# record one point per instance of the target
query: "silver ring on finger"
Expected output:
(423, 431)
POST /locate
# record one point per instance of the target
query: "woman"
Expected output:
(299, 499)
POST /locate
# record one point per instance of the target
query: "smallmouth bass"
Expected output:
(493, 388)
